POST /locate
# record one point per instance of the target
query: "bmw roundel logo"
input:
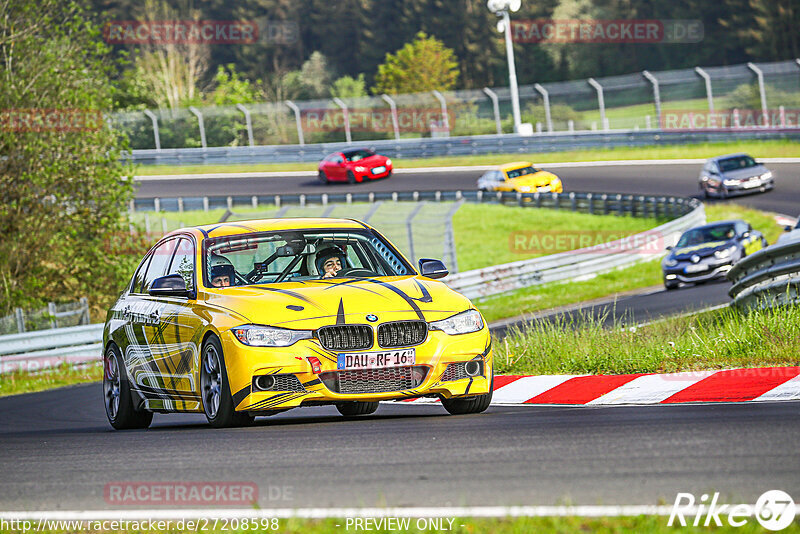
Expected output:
(372, 318)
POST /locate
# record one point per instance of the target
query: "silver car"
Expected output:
(734, 174)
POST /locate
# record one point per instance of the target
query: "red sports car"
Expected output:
(355, 165)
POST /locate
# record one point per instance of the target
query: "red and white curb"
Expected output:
(730, 385)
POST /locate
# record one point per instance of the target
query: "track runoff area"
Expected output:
(699, 395)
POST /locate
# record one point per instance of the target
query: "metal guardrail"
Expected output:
(53, 316)
(32, 351)
(769, 277)
(576, 263)
(450, 146)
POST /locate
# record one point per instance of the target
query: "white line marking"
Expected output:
(651, 389)
(326, 513)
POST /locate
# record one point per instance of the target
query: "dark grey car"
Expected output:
(734, 174)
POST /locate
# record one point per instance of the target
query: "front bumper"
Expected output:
(712, 271)
(439, 350)
(369, 175)
(743, 188)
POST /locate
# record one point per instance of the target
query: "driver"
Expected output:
(220, 271)
(330, 261)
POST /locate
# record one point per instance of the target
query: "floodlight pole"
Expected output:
(512, 70)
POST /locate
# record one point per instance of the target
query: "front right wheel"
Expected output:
(215, 390)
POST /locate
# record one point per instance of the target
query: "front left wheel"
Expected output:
(475, 404)
(215, 389)
(350, 409)
(120, 408)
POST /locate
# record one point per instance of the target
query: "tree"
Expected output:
(349, 87)
(424, 64)
(61, 179)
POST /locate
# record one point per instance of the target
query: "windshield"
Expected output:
(739, 162)
(289, 256)
(358, 155)
(699, 236)
(516, 173)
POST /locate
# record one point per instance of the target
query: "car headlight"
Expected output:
(361, 169)
(388, 162)
(766, 176)
(461, 323)
(268, 336)
(730, 182)
(724, 253)
(670, 262)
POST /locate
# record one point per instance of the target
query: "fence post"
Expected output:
(339, 102)
(443, 105)
(546, 100)
(410, 230)
(496, 107)
(154, 120)
(248, 122)
(201, 125)
(707, 79)
(656, 95)
(20, 320)
(601, 102)
(85, 308)
(393, 106)
(297, 120)
(761, 91)
(51, 311)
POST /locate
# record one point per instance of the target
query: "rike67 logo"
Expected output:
(774, 510)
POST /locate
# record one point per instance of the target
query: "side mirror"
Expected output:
(670, 247)
(788, 228)
(432, 268)
(746, 235)
(172, 285)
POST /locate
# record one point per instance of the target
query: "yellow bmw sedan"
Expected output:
(256, 317)
(522, 177)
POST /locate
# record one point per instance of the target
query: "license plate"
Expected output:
(378, 170)
(752, 183)
(376, 360)
(695, 268)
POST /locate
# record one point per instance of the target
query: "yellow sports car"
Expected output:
(256, 317)
(521, 177)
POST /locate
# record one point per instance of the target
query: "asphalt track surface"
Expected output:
(58, 452)
(671, 180)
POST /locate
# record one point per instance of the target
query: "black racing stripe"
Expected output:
(402, 294)
(353, 281)
(240, 395)
(204, 232)
(312, 383)
(426, 297)
(327, 356)
(466, 391)
(294, 294)
(340, 318)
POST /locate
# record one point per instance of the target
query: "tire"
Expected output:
(215, 391)
(118, 401)
(350, 409)
(476, 404)
(351, 178)
(669, 286)
(324, 178)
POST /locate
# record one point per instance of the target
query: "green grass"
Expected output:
(64, 375)
(542, 297)
(759, 149)
(521, 525)
(718, 339)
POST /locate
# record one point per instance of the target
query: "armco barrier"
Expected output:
(576, 263)
(769, 277)
(48, 348)
(450, 146)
